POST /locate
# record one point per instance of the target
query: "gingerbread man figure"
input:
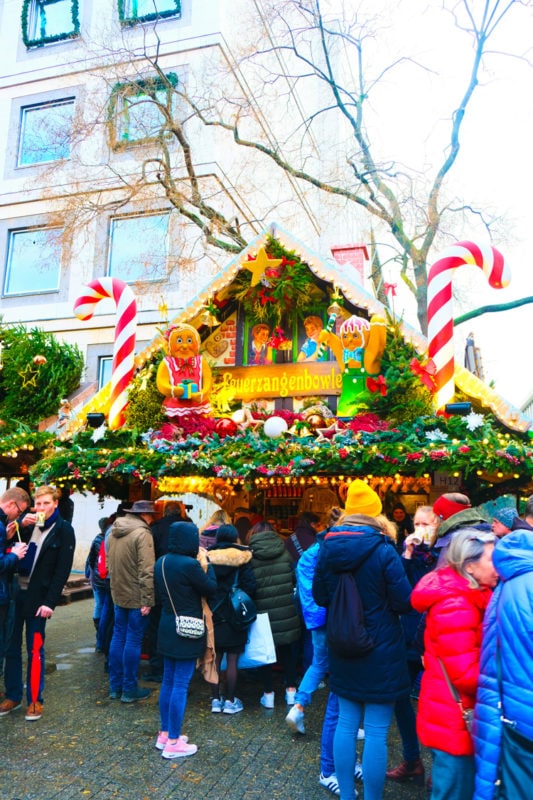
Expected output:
(184, 376)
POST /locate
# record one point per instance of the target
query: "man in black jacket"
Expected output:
(43, 572)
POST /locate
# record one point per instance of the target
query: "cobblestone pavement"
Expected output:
(87, 746)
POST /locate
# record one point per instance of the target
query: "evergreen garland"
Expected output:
(152, 17)
(58, 37)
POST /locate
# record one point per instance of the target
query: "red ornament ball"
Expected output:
(226, 427)
(39, 360)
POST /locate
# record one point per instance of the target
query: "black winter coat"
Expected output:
(52, 568)
(275, 578)
(380, 676)
(187, 583)
(227, 559)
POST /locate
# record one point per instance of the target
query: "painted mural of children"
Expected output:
(260, 350)
(309, 351)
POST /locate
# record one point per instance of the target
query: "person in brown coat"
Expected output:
(130, 561)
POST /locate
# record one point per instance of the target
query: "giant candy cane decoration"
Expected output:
(440, 307)
(124, 349)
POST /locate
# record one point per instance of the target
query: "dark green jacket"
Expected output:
(275, 580)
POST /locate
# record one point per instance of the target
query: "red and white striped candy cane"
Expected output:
(440, 306)
(124, 349)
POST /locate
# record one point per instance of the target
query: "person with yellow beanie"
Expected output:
(362, 543)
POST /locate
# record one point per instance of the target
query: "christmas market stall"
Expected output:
(282, 381)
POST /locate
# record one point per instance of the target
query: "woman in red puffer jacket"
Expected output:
(454, 599)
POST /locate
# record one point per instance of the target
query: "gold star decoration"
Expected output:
(29, 376)
(259, 264)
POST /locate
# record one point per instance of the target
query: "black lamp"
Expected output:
(95, 419)
(462, 409)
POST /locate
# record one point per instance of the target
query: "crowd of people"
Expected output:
(436, 608)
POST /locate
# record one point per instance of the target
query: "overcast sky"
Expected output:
(495, 166)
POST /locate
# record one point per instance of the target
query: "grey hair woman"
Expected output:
(454, 598)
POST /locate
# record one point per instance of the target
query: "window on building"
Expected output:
(133, 11)
(138, 247)
(45, 132)
(137, 109)
(33, 261)
(45, 21)
(105, 364)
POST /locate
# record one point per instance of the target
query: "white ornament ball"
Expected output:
(239, 416)
(275, 427)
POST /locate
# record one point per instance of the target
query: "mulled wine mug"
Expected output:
(40, 518)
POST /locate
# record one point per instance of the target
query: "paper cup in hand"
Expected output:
(413, 538)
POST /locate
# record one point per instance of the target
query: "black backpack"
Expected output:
(243, 610)
(346, 634)
(238, 608)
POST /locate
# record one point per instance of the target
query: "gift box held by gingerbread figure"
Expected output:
(358, 350)
(184, 376)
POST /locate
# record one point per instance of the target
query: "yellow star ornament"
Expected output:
(29, 376)
(259, 264)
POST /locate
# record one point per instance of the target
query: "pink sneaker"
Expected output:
(162, 739)
(179, 749)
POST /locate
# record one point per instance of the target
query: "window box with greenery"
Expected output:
(47, 21)
(139, 111)
(133, 12)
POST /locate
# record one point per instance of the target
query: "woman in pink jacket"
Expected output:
(454, 599)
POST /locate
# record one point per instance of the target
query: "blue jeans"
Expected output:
(99, 597)
(125, 649)
(452, 776)
(173, 695)
(406, 721)
(106, 619)
(13, 659)
(316, 670)
(329, 726)
(377, 718)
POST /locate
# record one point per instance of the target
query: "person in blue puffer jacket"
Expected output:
(509, 620)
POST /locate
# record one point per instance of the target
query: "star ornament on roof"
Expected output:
(259, 264)
(29, 376)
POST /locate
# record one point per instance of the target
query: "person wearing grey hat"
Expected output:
(503, 519)
(130, 560)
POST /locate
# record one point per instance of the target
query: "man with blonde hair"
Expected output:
(43, 572)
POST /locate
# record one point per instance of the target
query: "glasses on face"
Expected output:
(19, 509)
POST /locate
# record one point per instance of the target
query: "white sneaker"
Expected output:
(330, 783)
(290, 696)
(295, 719)
(217, 705)
(232, 707)
(267, 700)
(358, 771)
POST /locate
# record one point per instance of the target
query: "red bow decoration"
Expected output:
(390, 287)
(377, 385)
(266, 298)
(187, 365)
(425, 372)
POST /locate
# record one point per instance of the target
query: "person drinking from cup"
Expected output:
(42, 572)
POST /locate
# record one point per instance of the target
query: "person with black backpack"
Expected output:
(232, 565)
(361, 581)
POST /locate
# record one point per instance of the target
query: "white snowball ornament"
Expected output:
(275, 427)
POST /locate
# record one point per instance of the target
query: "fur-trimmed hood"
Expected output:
(229, 555)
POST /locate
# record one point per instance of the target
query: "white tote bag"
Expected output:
(259, 648)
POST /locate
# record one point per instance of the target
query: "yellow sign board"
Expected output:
(280, 380)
